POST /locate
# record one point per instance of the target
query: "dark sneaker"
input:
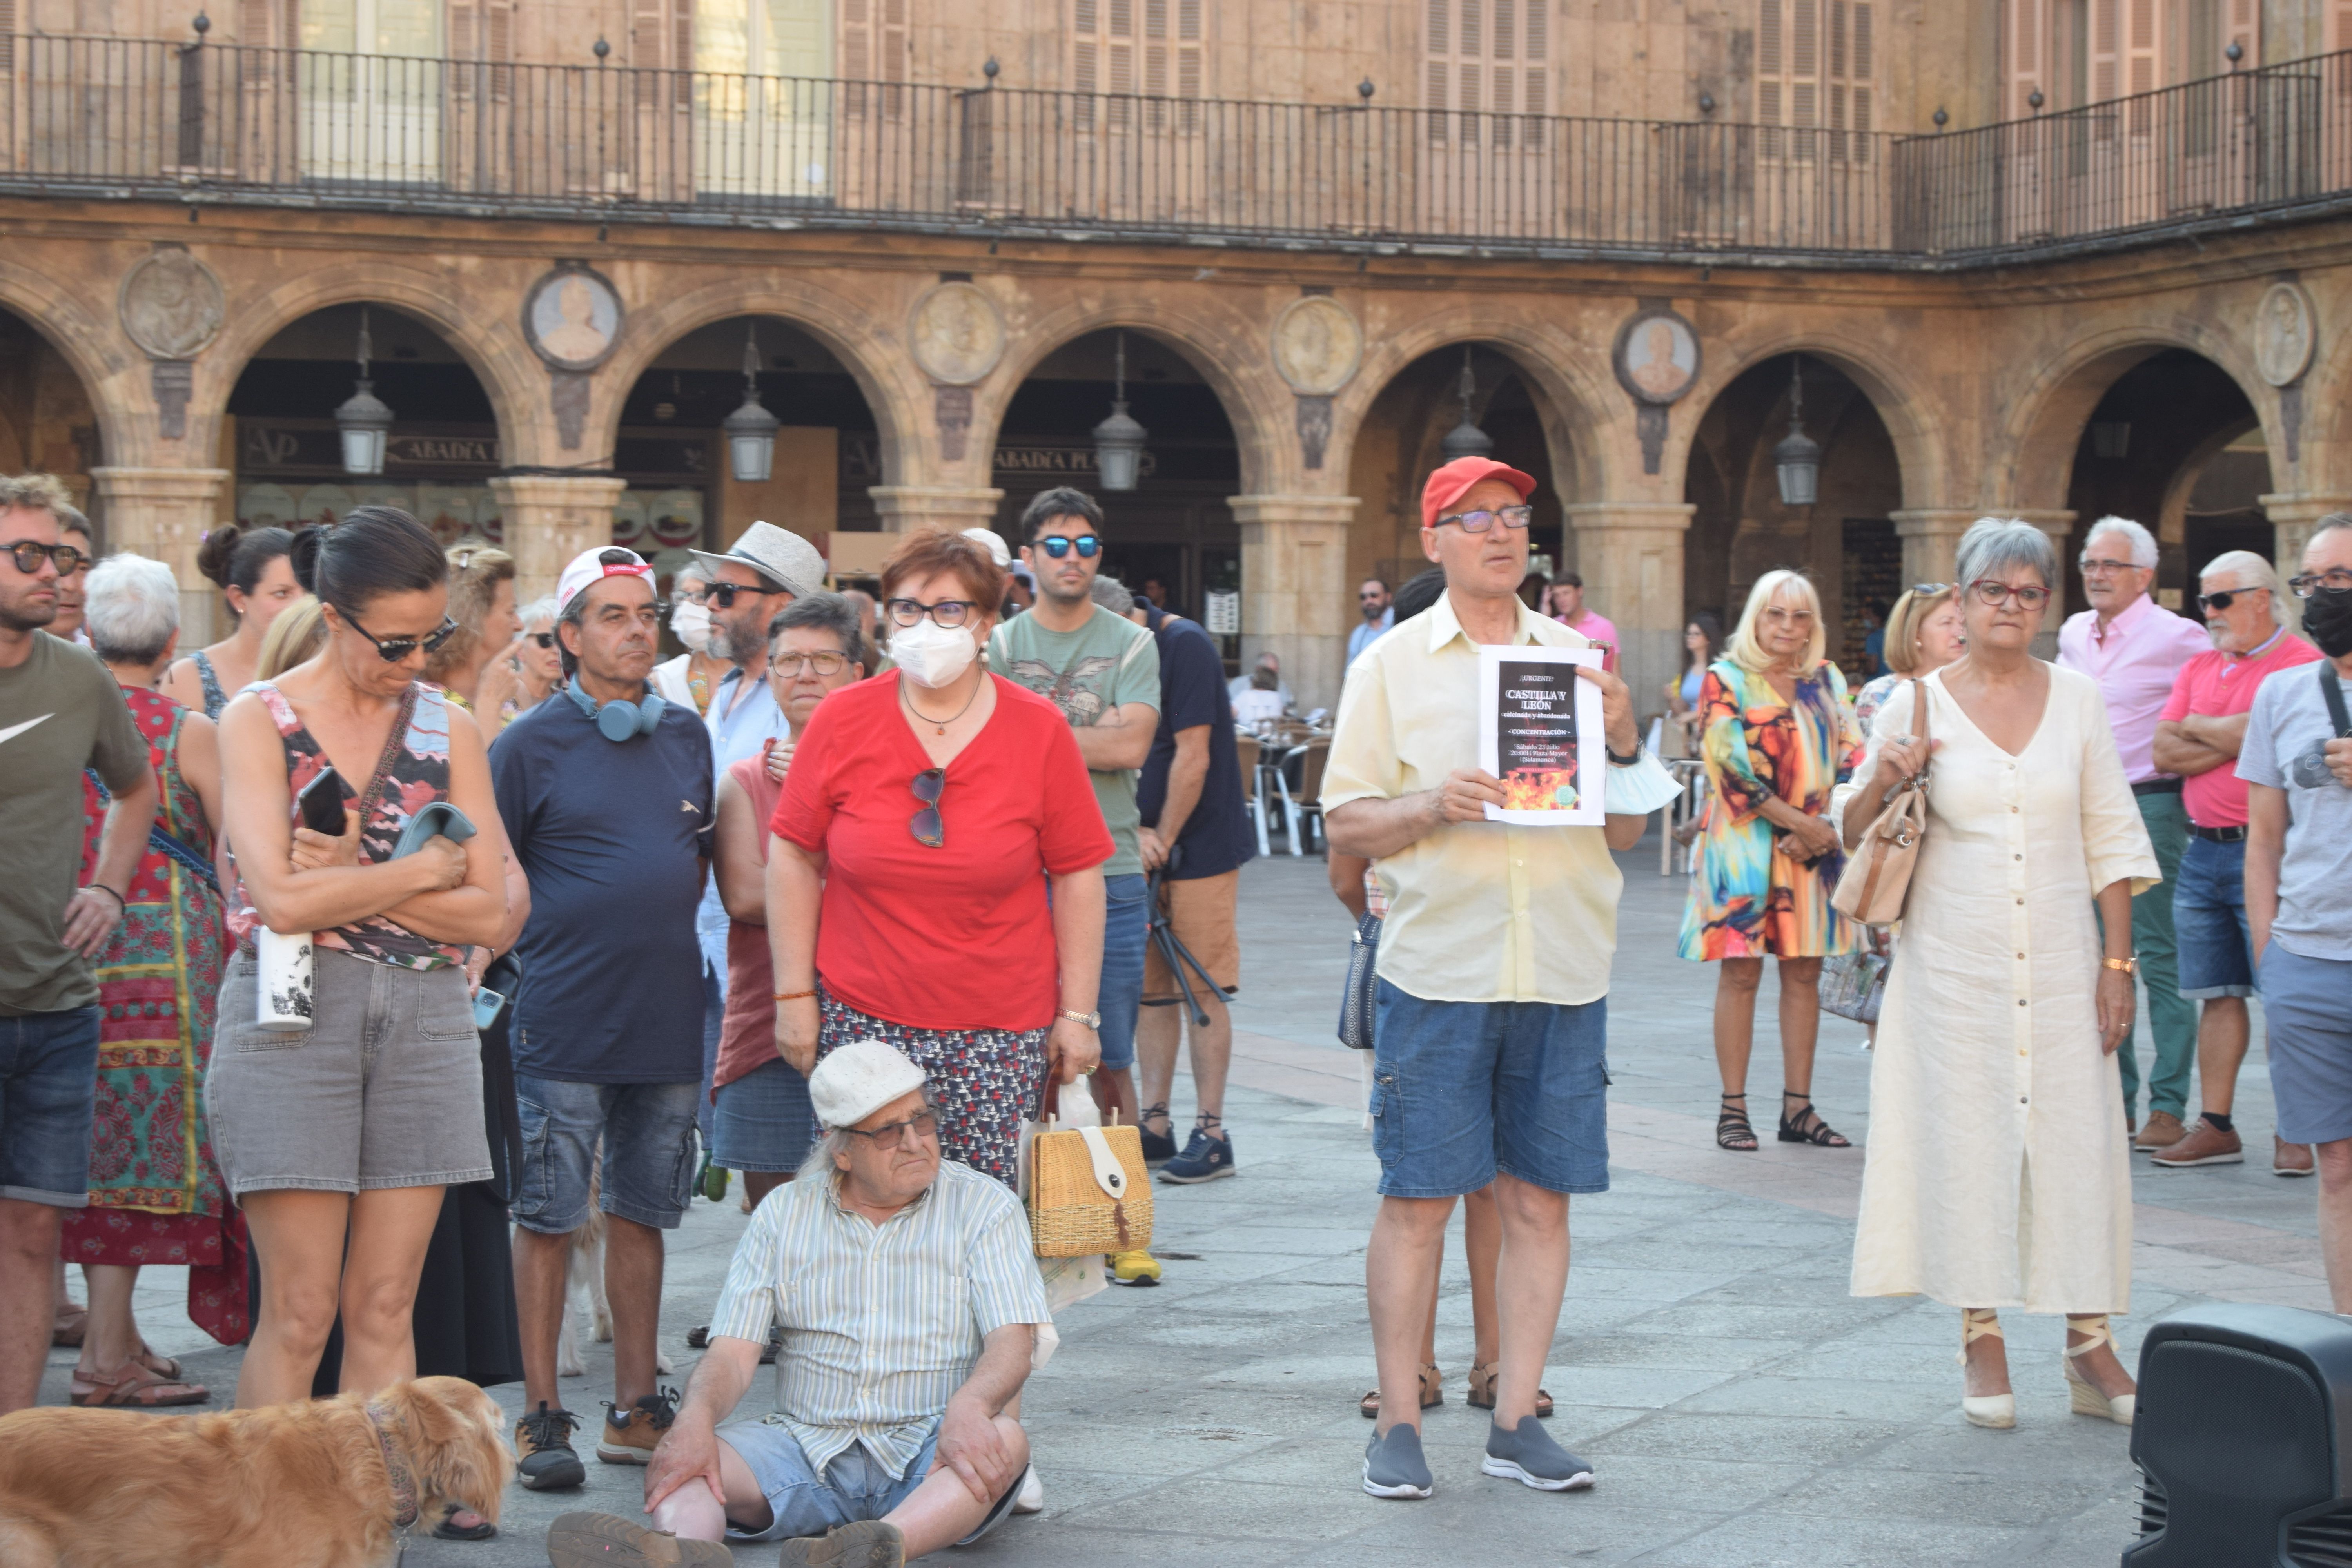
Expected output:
(867, 1543)
(1394, 1467)
(606, 1540)
(1530, 1457)
(1158, 1148)
(543, 1445)
(630, 1435)
(1204, 1159)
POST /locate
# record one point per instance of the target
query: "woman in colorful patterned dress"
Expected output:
(156, 1192)
(1778, 737)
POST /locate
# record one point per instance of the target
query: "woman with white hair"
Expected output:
(1778, 738)
(156, 1192)
(1997, 1172)
(538, 664)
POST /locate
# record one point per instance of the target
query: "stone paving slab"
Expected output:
(1738, 1407)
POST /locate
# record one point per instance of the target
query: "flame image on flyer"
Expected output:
(1536, 722)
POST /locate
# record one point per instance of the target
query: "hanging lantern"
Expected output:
(1798, 459)
(751, 430)
(364, 423)
(1120, 439)
(1466, 440)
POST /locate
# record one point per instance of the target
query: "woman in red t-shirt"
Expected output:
(926, 815)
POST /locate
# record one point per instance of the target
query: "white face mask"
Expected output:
(691, 622)
(931, 654)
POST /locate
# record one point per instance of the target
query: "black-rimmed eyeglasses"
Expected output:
(28, 553)
(2335, 580)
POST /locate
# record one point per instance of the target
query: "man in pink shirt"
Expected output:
(2134, 647)
(1569, 609)
(2203, 724)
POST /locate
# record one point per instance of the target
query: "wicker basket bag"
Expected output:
(1088, 1191)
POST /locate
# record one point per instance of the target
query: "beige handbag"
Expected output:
(1088, 1191)
(1877, 875)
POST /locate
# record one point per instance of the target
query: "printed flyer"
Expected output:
(1540, 732)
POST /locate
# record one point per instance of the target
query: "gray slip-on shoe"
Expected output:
(591, 1539)
(867, 1543)
(1530, 1457)
(1394, 1467)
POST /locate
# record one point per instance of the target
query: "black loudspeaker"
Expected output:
(2244, 1438)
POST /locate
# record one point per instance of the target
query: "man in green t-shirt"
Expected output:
(60, 712)
(1103, 671)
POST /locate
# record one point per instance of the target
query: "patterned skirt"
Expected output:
(984, 1082)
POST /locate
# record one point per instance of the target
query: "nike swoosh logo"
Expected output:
(13, 731)
(682, 806)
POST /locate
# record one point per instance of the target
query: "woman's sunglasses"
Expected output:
(1088, 546)
(929, 831)
(544, 640)
(391, 650)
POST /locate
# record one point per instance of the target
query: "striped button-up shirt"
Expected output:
(881, 1323)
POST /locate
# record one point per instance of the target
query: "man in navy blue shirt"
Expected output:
(1194, 826)
(606, 793)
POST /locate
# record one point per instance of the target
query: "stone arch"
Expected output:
(511, 377)
(1213, 347)
(894, 390)
(112, 370)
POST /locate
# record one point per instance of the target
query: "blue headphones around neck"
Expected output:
(620, 720)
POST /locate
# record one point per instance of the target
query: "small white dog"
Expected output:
(583, 1287)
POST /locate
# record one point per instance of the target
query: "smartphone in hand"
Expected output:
(321, 804)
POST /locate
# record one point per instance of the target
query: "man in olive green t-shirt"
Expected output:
(60, 712)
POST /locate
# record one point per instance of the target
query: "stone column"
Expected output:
(2059, 527)
(910, 509)
(163, 513)
(1931, 538)
(549, 519)
(2291, 517)
(1630, 554)
(1294, 588)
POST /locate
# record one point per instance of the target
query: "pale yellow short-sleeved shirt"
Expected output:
(1478, 911)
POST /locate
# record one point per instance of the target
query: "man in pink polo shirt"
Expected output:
(2198, 737)
(1569, 608)
(2134, 647)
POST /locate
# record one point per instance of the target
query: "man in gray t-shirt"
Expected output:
(2287, 736)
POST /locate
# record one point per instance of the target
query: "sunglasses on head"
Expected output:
(391, 650)
(1055, 546)
(723, 593)
(929, 831)
(2225, 599)
(27, 555)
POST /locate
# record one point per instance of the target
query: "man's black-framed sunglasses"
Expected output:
(2335, 580)
(931, 830)
(2225, 599)
(946, 613)
(27, 553)
(1055, 545)
(723, 593)
(391, 650)
(925, 1125)
(1479, 521)
(544, 640)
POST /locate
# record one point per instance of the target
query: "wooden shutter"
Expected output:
(1192, 64)
(482, 32)
(2023, 44)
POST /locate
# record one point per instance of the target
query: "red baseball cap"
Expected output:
(1451, 482)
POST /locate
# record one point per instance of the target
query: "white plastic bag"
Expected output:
(1068, 1280)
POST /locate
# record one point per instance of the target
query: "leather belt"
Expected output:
(2220, 835)
(2156, 787)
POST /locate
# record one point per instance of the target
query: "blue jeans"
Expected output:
(48, 1081)
(1125, 928)
(648, 1164)
(1462, 1090)
(2208, 921)
(764, 1122)
(2304, 1003)
(853, 1487)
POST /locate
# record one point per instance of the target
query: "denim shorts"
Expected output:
(383, 1090)
(763, 1121)
(1462, 1090)
(1124, 929)
(2307, 1002)
(649, 1136)
(853, 1487)
(2209, 921)
(49, 1080)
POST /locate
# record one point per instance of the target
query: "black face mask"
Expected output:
(2327, 620)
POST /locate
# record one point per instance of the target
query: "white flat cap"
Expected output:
(858, 1080)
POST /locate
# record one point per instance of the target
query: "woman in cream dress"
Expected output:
(1997, 1172)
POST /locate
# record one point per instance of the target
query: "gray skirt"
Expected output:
(384, 1089)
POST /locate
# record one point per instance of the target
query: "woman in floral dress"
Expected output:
(1778, 737)
(156, 1194)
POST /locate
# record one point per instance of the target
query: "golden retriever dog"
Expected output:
(292, 1486)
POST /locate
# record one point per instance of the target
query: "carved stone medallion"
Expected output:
(2286, 333)
(1316, 346)
(171, 305)
(957, 333)
(571, 317)
(1655, 355)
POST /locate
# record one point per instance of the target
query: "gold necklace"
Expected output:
(939, 724)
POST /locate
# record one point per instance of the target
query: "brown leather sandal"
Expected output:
(1482, 1391)
(72, 1323)
(1433, 1393)
(134, 1387)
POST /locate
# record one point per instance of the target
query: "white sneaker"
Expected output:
(1033, 1494)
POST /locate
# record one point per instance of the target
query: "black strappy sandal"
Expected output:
(1732, 1129)
(1807, 1126)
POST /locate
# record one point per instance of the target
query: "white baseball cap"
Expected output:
(997, 549)
(858, 1080)
(590, 566)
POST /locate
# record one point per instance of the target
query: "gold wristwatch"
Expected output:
(1091, 1020)
(2128, 965)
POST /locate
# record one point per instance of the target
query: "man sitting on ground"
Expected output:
(892, 1435)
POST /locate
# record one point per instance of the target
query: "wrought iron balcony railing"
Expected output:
(135, 117)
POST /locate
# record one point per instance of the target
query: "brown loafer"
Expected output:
(2290, 1159)
(2206, 1144)
(2162, 1131)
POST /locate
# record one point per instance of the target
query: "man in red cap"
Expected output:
(1493, 972)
